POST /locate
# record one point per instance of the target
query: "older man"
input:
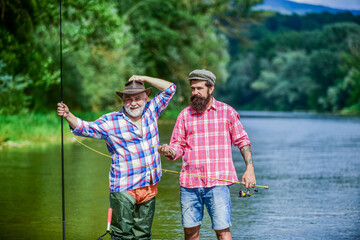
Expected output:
(130, 135)
(203, 135)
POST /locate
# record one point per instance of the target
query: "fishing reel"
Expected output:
(246, 193)
(243, 194)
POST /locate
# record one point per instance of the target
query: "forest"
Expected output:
(262, 60)
(305, 63)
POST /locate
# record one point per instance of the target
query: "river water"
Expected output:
(310, 162)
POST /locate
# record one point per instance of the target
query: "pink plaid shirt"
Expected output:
(204, 140)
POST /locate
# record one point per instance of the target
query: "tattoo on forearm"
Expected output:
(246, 153)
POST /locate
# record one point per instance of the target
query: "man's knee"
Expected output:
(223, 234)
(192, 233)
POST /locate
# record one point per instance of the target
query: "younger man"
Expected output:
(203, 135)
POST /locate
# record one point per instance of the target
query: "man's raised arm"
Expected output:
(156, 82)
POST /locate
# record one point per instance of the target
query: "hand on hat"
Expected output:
(156, 82)
(138, 78)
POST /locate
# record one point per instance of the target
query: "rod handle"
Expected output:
(109, 219)
(260, 186)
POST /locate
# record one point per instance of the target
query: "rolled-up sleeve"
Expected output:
(162, 100)
(178, 141)
(238, 135)
(97, 129)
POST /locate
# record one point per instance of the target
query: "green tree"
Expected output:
(345, 95)
(327, 55)
(97, 54)
(324, 69)
(285, 83)
(19, 55)
(11, 91)
(175, 37)
(237, 90)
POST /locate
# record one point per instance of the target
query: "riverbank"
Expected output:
(37, 129)
(26, 129)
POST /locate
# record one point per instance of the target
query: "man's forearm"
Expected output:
(246, 153)
(158, 83)
(72, 120)
(249, 175)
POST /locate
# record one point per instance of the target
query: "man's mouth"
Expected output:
(197, 97)
(134, 107)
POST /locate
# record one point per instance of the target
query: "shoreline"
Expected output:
(42, 129)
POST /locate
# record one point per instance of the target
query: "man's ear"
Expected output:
(211, 89)
(146, 97)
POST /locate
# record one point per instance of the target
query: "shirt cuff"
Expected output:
(78, 129)
(243, 144)
(170, 90)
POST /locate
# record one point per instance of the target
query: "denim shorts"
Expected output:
(217, 201)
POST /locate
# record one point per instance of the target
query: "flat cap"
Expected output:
(202, 74)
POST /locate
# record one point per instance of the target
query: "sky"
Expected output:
(340, 4)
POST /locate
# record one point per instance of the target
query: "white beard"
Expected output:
(134, 111)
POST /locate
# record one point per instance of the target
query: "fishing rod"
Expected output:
(109, 217)
(176, 172)
(62, 135)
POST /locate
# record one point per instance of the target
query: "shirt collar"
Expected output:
(122, 113)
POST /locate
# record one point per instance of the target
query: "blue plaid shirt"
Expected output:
(135, 158)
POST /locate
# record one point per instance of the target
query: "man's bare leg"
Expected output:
(224, 234)
(192, 233)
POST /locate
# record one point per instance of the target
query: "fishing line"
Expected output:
(62, 135)
(172, 171)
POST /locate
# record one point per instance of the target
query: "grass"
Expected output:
(27, 129)
(36, 128)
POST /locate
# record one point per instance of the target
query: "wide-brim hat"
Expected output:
(134, 87)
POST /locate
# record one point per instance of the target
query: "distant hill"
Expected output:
(288, 7)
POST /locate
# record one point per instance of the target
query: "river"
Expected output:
(310, 162)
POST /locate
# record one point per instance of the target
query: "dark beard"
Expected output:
(199, 103)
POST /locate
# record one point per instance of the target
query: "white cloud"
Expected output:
(339, 4)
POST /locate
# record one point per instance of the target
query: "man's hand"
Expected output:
(156, 82)
(167, 151)
(249, 177)
(63, 111)
(138, 78)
